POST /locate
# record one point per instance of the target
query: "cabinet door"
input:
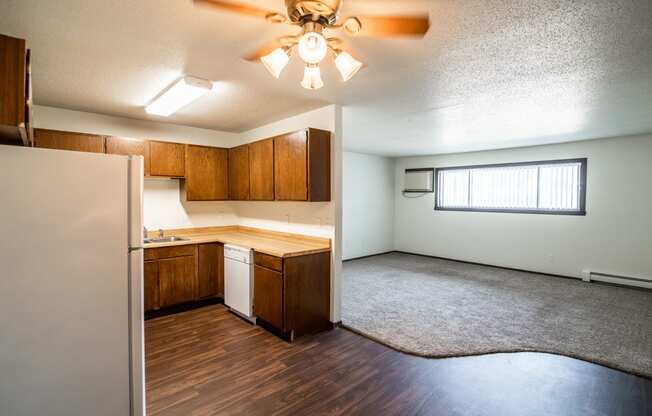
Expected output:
(167, 159)
(211, 270)
(150, 285)
(261, 170)
(177, 280)
(63, 140)
(319, 165)
(206, 173)
(12, 81)
(268, 296)
(291, 167)
(129, 147)
(239, 173)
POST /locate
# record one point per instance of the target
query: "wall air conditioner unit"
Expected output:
(419, 180)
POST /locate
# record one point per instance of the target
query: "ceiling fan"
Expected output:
(313, 16)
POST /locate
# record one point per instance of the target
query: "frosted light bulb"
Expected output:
(312, 48)
(347, 65)
(276, 61)
(312, 78)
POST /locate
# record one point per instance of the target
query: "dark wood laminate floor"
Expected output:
(209, 362)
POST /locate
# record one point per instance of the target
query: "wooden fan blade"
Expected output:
(262, 51)
(386, 26)
(242, 9)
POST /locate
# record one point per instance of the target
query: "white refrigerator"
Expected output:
(71, 278)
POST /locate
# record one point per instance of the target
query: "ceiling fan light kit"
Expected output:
(347, 65)
(314, 16)
(312, 77)
(312, 45)
(276, 61)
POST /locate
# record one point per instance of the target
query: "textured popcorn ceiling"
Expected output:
(490, 74)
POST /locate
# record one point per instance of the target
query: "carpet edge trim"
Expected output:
(398, 348)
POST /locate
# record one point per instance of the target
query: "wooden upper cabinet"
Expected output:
(319, 165)
(239, 173)
(167, 159)
(63, 140)
(302, 163)
(261, 170)
(290, 167)
(15, 92)
(129, 147)
(206, 173)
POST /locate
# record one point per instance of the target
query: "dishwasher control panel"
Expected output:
(237, 253)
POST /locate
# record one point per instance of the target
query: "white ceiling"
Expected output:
(489, 74)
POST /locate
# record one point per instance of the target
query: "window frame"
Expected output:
(582, 192)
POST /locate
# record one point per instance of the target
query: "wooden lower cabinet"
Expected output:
(296, 299)
(182, 274)
(211, 270)
(150, 286)
(268, 296)
(177, 280)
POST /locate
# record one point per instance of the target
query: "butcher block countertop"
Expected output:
(263, 241)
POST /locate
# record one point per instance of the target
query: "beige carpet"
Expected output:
(440, 308)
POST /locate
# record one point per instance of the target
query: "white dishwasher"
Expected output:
(239, 280)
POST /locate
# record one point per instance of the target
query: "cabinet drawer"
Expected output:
(169, 252)
(271, 262)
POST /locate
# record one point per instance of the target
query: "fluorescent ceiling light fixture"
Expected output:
(276, 61)
(312, 78)
(312, 48)
(347, 65)
(179, 95)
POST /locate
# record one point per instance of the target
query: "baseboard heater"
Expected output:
(589, 275)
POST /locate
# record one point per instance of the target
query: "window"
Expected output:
(550, 187)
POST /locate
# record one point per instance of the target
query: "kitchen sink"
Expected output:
(170, 239)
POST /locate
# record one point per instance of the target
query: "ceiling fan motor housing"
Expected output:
(302, 10)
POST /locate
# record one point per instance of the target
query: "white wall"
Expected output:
(82, 122)
(368, 205)
(615, 236)
(162, 206)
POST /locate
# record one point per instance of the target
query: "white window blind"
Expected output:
(548, 187)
